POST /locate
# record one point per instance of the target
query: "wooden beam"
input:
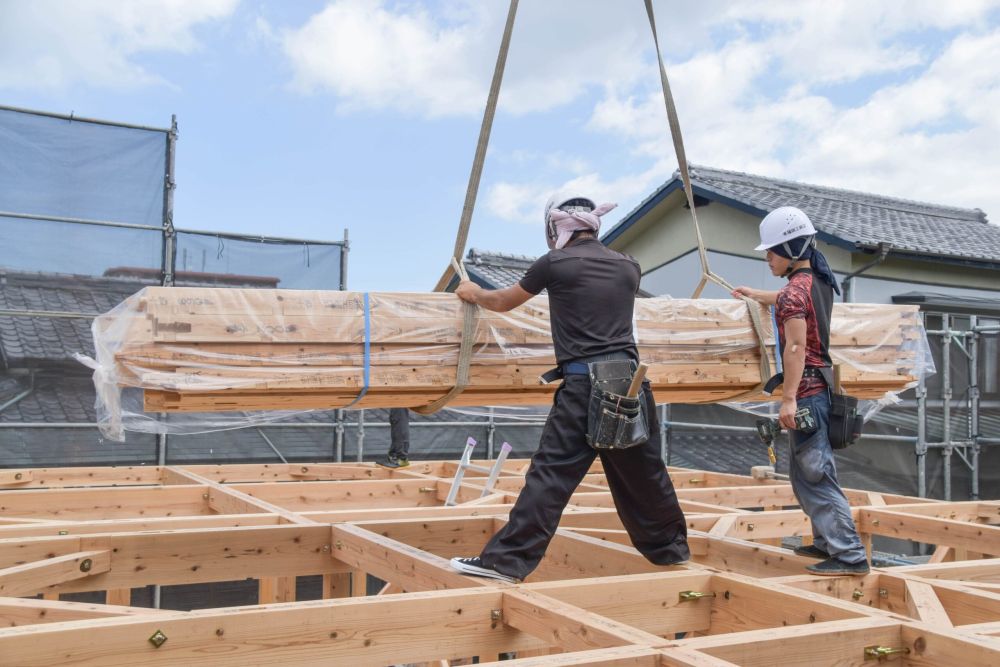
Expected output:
(923, 604)
(625, 656)
(228, 500)
(973, 536)
(30, 611)
(188, 556)
(368, 631)
(568, 627)
(16, 478)
(38, 576)
(395, 562)
(119, 596)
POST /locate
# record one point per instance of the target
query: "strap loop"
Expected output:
(706, 273)
(470, 316)
(368, 353)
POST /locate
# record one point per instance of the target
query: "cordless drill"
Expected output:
(768, 429)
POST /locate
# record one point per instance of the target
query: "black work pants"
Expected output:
(399, 432)
(643, 493)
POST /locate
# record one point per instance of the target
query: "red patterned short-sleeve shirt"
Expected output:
(809, 299)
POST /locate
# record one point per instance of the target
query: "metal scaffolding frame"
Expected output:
(969, 447)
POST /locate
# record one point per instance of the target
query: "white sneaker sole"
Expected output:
(465, 568)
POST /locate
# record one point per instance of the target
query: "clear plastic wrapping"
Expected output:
(187, 360)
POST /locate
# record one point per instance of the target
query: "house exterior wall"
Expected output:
(664, 240)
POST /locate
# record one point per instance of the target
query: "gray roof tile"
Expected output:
(38, 341)
(496, 270)
(858, 218)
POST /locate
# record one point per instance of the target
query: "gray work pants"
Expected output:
(813, 474)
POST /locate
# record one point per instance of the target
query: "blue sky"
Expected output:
(303, 118)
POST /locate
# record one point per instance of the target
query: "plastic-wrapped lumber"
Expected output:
(217, 349)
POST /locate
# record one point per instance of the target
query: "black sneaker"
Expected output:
(811, 551)
(475, 567)
(834, 567)
(391, 461)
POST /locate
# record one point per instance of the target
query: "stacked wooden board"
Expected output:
(215, 349)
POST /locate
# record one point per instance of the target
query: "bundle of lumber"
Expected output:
(211, 350)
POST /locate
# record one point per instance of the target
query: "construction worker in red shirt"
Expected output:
(803, 309)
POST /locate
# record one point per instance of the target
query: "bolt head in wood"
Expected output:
(86, 565)
(495, 614)
(857, 594)
(157, 639)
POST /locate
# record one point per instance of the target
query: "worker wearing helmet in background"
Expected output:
(591, 291)
(802, 310)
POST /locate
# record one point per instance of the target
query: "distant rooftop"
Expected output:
(852, 218)
(494, 269)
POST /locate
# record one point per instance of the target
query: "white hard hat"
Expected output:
(782, 225)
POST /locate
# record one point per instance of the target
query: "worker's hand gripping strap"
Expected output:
(470, 316)
(368, 352)
(706, 272)
(615, 421)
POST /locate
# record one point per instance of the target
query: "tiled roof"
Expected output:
(856, 218)
(496, 270)
(33, 340)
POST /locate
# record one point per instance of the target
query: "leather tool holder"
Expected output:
(615, 421)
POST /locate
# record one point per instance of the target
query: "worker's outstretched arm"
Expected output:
(794, 360)
(766, 297)
(497, 300)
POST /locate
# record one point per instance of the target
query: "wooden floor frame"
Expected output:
(594, 600)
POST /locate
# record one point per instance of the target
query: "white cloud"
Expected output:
(757, 105)
(523, 202)
(404, 58)
(49, 44)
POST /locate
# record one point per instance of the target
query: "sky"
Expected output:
(301, 119)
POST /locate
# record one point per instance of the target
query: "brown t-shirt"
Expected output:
(591, 298)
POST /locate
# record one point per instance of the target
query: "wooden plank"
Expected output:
(831, 643)
(648, 602)
(190, 556)
(29, 611)
(336, 585)
(15, 477)
(395, 562)
(103, 503)
(566, 626)
(625, 656)
(38, 576)
(229, 500)
(371, 631)
(933, 530)
(923, 604)
(276, 589)
(119, 596)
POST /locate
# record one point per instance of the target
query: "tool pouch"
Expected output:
(845, 422)
(615, 421)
